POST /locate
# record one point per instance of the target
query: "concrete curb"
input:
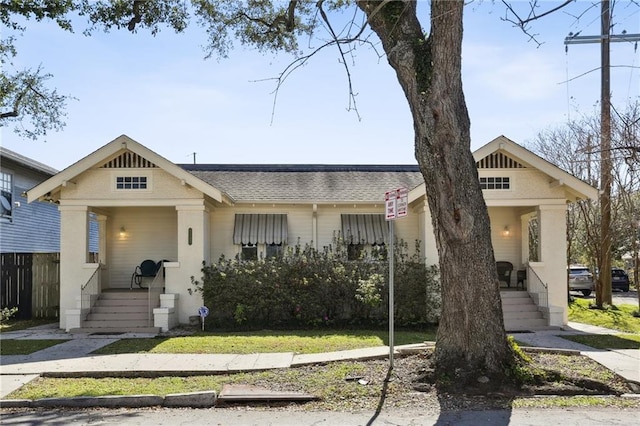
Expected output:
(110, 401)
(205, 399)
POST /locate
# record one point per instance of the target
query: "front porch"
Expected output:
(116, 310)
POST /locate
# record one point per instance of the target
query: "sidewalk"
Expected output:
(73, 357)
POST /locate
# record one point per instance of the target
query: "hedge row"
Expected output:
(307, 288)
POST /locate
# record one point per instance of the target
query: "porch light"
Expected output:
(506, 232)
(123, 232)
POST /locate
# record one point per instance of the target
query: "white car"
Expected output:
(581, 279)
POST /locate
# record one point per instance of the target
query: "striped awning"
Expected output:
(365, 228)
(260, 229)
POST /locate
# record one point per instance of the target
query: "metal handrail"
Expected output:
(89, 292)
(538, 288)
(155, 290)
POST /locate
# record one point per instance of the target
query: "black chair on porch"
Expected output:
(504, 271)
(147, 269)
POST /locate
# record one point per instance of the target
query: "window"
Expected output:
(260, 235)
(131, 182)
(6, 195)
(495, 182)
(274, 250)
(249, 252)
(354, 251)
(379, 252)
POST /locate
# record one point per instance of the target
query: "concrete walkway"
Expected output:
(73, 357)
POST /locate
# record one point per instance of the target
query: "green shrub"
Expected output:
(319, 288)
(6, 313)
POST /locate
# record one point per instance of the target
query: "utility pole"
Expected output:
(603, 285)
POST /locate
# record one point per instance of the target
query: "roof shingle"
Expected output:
(306, 183)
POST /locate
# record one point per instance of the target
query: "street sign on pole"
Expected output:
(396, 202)
(396, 206)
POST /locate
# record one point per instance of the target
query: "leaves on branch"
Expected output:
(25, 97)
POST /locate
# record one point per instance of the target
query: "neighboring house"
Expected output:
(150, 208)
(29, 238)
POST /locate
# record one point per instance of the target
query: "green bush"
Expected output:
(308, 288)
(7, 313)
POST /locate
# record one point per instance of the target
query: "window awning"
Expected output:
(260, 229)
(365, 228)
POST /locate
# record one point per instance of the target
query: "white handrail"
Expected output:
(89, 293)
(537, 288)
(156, 288)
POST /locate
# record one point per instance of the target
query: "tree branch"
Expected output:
(137, 16)
(522, 23)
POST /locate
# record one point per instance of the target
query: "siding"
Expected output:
(525, 184)
(151, 233)
(299, 219)
(506, 248)
(98, 185)
(35, 227)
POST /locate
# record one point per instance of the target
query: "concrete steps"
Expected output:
(123, 311)
(520, 313)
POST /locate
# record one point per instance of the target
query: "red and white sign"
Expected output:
(396, 203)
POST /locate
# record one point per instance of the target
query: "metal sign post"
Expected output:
(203, 312)
(396, 203)
(391, 311)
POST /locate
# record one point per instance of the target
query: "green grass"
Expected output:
(573, 402)
(615, 317)
(327, 382)
(17, 324)
(266, 341)
(25, 347)
(607, 341)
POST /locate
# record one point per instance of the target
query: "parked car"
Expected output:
(581, 279)
(619, 279)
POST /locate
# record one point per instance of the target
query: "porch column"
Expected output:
(102, 249)
(74, 249)
(193, 248)
(524, 240)
(553, 255)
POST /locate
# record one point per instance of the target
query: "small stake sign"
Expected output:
(203, 312)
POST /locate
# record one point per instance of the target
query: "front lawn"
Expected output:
(607, 341)
(19, 324)
(615, 317)
(26, 347)
(266, 341)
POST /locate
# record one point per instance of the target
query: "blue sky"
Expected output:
(161, 92)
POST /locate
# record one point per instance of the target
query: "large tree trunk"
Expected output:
(471, 339)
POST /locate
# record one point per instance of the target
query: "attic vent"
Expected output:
(129, 160)
(498, 160)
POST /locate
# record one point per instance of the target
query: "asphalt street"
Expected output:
(283, 417)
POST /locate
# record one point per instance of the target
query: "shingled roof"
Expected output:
(306, 183)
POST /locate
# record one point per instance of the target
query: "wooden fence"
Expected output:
(31, 282)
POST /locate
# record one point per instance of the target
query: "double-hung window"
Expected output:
(6, 196)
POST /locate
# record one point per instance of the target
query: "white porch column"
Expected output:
(553, 255)
(193, 249)
(524, 240)
(102, 249)
(74, 249)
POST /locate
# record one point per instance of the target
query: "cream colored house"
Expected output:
(150, 208)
